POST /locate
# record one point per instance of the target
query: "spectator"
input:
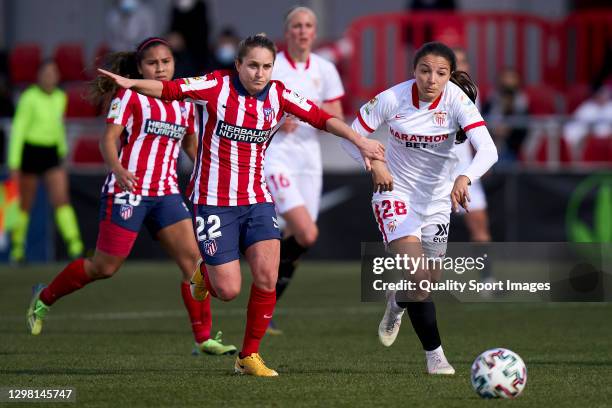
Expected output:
(508, 105)
(184, 61)
(225, 49)
(129, 22)
(190, 19)
(587, 119)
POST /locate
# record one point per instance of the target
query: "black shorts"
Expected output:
(38, 159)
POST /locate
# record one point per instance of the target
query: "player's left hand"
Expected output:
(371, 150)
(460, 195)
(119, 80)
(381, 177)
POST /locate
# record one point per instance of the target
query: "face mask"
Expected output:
(184, 5)
(226, 53)
(128, 6)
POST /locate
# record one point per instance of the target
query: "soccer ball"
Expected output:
(499, 373)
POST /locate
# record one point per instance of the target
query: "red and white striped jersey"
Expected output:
(235, 129)
(150, 143)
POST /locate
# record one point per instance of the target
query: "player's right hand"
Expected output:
(371, 150)
(126, 180)
(119, 80)
(381, 177)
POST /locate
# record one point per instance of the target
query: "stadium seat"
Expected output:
(24, 60)
(597, 149)
(78, 105)
(575, 95)
(86, 150)
(70, 61)
(542, 100)
(541, 152)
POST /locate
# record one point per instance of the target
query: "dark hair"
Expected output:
(44, 63)
(460, 78)
(124, 63)
(257, 40)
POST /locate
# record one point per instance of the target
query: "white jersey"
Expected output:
(317, 80)
(421, 149)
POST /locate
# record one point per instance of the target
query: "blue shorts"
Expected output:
(130, 211)
(224, 232)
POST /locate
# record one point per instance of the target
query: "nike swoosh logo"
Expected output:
(334, 198)
(399, 116)
(267, 316)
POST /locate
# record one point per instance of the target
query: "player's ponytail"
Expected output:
(463, 81)
(102, 88)
(253, 41)
(124, 63)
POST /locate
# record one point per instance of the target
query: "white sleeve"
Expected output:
(486, 153)
(332, 89)
(369, 118)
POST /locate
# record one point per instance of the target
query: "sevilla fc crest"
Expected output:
(126, 211)
(392, 226)
(210, 247)
(439, 118)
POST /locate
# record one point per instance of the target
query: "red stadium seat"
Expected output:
(24, 60)
(101, 52)
(78, 105)
(71, 62)
(575, 95)
(86, 150)
(597, 149)
(541, 152)
(542, 100)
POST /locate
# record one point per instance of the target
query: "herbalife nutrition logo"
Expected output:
(596, 192)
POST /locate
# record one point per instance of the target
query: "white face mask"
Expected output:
(226, 53)
(128, 6)
(184, 5)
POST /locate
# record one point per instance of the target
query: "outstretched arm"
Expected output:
(370, 149)
(148, 87)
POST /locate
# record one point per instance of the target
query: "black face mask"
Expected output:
(507, 90)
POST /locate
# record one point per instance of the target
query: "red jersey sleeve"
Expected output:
(120, 108)
(304, 109)
(196, 88)
(191, 126)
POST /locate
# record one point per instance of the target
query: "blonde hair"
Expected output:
(298, 9)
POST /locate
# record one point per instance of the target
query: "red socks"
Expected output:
(72, 278)
(199, 314)
(259, 313)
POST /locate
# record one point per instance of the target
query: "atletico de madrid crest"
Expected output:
(126, 211)
(439, 118)
(210, 247)
(268, 114)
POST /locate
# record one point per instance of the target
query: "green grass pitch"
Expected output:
(126, 342)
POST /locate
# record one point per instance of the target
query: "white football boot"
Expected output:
(390, 324)
(437, 362)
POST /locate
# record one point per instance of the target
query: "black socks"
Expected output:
(290, 252)
(423, 318)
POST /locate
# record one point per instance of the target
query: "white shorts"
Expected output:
(396, 218)
(290, 190)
